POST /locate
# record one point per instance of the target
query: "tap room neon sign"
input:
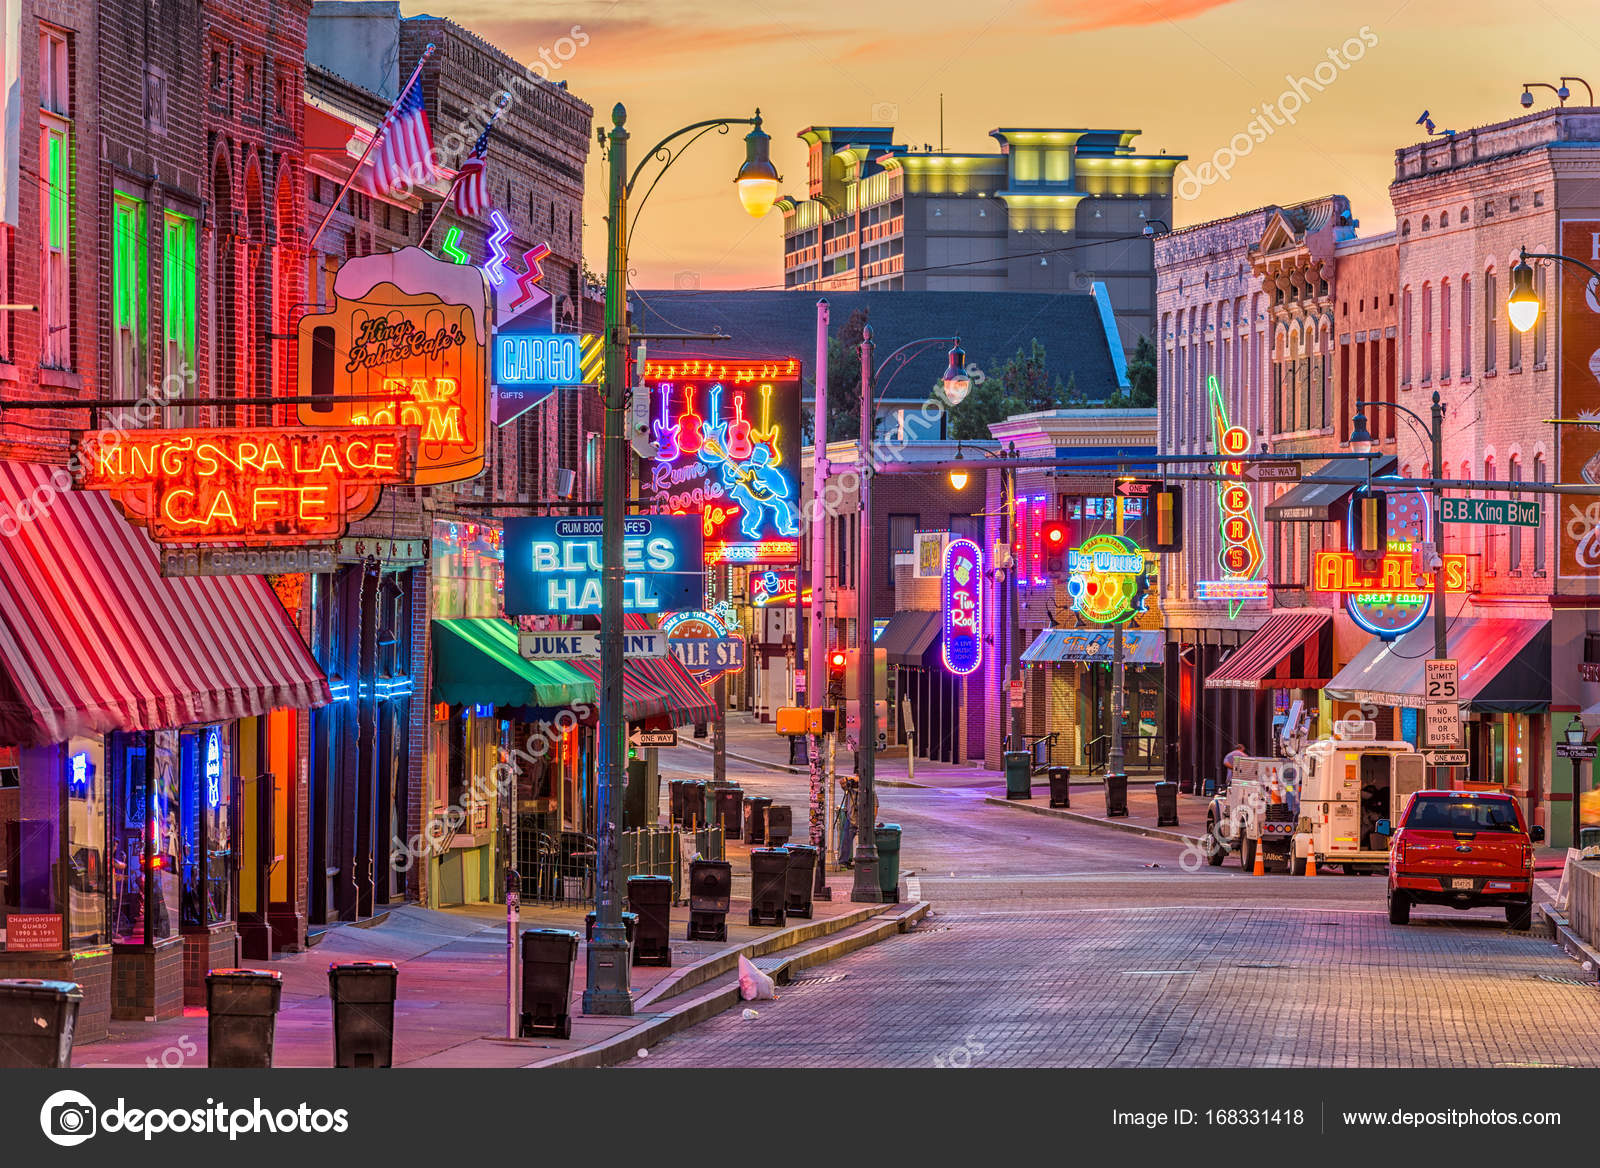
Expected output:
(961, 606)
(727, 440)
(1241, 556)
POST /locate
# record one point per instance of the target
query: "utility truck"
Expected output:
(1353, 785)
(1256, 811)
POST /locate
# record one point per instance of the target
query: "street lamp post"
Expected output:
(1575, 737)
(606, 988)
(864, 887)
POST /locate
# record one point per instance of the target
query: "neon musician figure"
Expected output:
(759, 487)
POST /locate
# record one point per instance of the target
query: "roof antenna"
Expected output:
(941, 123)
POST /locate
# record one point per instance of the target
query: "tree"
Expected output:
(986, 402)
(1027, 379)
(1142, 375)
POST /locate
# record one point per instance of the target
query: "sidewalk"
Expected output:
(451, 1007)
(1089, 806)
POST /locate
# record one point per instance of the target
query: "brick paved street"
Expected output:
(1054, 943)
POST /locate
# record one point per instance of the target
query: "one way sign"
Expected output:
(647, 738)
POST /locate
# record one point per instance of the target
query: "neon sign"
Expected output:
(772, 587)
(404, 344)
(553, 565)
(250, 486)
(727, 437)
(705, 643)
(1232, 590)
(213, 766)
(548, 359)
(1398, 597)
(1241, 556)
(1106, 578)
(79, 771)
(961, 602)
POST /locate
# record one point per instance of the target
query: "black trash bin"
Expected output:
(769, 885)
(1019, 774)
(780, 824)
(241, 1016)
(363, 994)
(1116, 795)
(755, 818)
(802, 870)
(694, 804)
(1166, 804)
(650, 897)
(1060, 786)
(549, 957)
(675, 801)
(630, 922)
(710, 893)
(888, 836)
(730, 812)
(37, 1019)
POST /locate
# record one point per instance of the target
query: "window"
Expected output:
(178, 301)
(129, 296)
(1405, 337)
(55, 202)
(1427, 222)
(249, 81)
(1539, 332)
(1491, 311)
(1444, 218)
(218, 73)
(1427, 333)
(1516, 530)
(1538, 198)
(902, 538)
(1488, 532)
(1515, 202)
(1405, 229)
(1464, 217)
(967, 526)
(1488, 210)
(1466, 326)
(1514, 349)
(1444, 329)
(1538, 534)
(5, 290)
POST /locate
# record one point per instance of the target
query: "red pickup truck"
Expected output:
(1465, 849)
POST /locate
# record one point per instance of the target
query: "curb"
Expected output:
(781, 768)
(1557, 928)
(1160, 833)
(620, 1048)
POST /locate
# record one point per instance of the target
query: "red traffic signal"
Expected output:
(836, 665)
(1053, 536)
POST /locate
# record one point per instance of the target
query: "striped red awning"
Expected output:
(656, 690)
(1257, 664)
(93, 638)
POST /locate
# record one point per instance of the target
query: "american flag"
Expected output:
(472, 185)
(404, 158)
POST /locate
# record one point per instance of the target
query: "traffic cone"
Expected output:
(1311, 862)
(1260, 868)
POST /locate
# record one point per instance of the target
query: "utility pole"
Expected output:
(1014, 597)
(1116, 760)
(816, 657)
(865, 887)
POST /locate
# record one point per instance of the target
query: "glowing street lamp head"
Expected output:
(757, 178)
(956, 381)
(1523, 306)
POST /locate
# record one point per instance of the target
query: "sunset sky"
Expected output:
(1191, 74)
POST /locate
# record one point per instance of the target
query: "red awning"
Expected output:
(656, 689)
(94, 639)
(1260, 663)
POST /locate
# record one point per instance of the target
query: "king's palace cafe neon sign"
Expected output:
(248, 486)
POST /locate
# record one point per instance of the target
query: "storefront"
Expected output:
(1068, 681)
(1504, 669)
(129, 703)
(1287, 660)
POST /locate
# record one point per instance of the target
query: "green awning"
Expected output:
(476, 662)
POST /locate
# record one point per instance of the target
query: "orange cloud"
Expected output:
(1087, 15)
(639, 42)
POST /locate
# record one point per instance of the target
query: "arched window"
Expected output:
(1427, 333)
(1488, 532)
(1405, 337)
(1444, 330)
(1405, 228)
(1444, 218)
(1466, 325)
(1427, 222)
(1539, 331)
(1491, 320)
(1538, 535)
(1464, 217)
(1516, 530)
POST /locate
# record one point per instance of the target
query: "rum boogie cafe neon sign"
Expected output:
(249, 486)
(553, 564)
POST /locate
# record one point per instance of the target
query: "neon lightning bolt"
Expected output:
(532, 276)
(495, 269)
(451, 249)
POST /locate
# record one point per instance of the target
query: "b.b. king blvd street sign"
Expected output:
(1492, 512)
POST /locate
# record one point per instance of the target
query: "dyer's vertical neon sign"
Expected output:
(1241, 556)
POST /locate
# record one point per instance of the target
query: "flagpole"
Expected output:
(505, 104)
(376, 138)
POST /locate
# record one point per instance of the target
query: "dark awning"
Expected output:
(1316, 500)
(907, 636)
(1259, 662)
(1503, 665)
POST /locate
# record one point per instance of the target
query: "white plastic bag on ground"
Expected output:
(754, 986)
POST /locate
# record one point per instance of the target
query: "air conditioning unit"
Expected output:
(1361, 731)
(566, 482)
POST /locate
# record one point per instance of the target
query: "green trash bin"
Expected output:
(1019, 774)
(888, 835)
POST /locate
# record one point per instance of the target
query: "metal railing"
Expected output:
(1043, 749)
(559, 867)
(658, 851)
(1140, 751)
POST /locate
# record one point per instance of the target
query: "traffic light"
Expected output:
(1166, 519)
(838, 660)
(1053, 537)
(1369, 523)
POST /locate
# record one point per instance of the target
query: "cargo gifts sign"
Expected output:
(552, 565)
(1578, 531)
(727, 439)
(404, 344)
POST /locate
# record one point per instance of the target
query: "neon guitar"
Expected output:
(714, 448)
(666, 436)
(739, 446)
(768, 434)
(689, 436)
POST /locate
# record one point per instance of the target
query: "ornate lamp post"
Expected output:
(606, 990)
